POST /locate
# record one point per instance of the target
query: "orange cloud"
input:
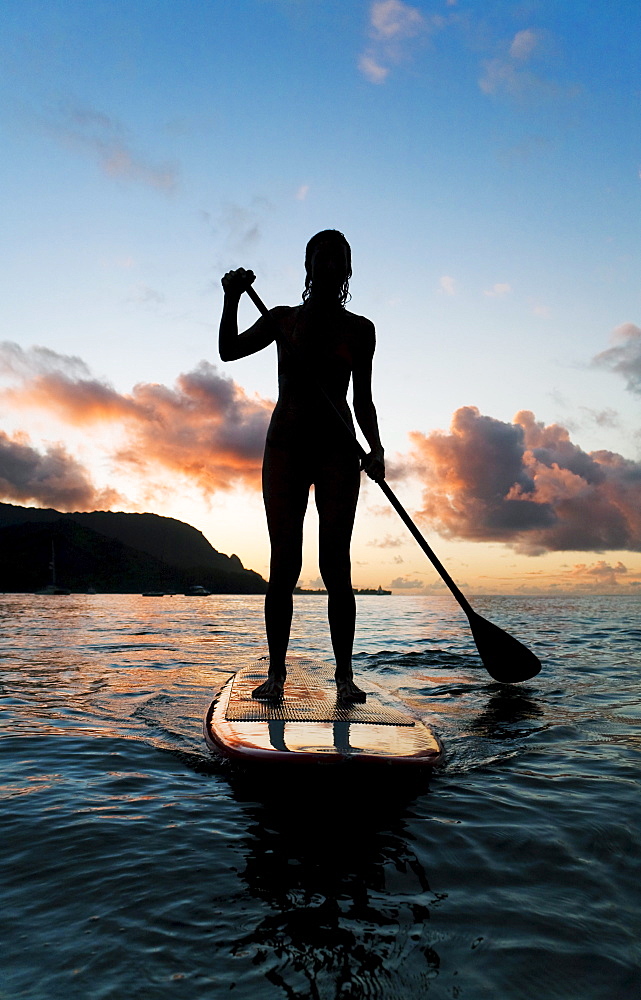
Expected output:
(77, 400)
(527, 485)
(599, 575)
(205, 428)
(389, 542)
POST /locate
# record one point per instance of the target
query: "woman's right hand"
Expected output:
(236, 282)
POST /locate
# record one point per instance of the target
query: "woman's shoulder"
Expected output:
(358, 322)
(283, 312)
(361, 330)
(284, 318)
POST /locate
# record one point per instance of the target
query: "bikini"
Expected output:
(302, 421)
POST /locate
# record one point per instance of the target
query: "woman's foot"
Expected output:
(271, 689)
(347, 691)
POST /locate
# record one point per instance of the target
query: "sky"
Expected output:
(484, 162)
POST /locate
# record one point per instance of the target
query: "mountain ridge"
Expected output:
(113, 552)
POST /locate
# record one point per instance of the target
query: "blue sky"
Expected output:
(484, 160)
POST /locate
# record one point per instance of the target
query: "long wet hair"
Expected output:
(327, 234)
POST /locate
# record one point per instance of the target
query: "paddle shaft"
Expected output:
(393, 499)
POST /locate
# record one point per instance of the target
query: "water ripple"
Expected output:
(136, 863)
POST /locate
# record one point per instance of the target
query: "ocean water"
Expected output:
(137, 864)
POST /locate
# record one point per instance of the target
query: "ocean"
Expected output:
(137, 864)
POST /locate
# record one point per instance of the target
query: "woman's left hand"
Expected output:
(374, 464)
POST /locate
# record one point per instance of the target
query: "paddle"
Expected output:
(505, 658)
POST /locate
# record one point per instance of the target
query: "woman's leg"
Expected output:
(285, 492)
(336, 489)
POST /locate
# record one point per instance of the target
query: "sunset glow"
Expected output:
(485, 166)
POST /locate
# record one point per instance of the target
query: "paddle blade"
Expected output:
(505, 658)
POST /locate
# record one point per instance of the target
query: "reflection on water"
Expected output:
(137, 864)
(508, 713)
(347, 899)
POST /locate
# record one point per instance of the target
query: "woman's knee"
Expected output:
(283, 575)
(336, 574)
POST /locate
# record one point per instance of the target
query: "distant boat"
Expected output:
(365, 591)
(197, 591)
(153, 593)
(53, 588)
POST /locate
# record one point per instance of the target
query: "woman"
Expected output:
(320, 347)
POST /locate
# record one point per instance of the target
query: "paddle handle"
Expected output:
(256, 299)
(393, 499)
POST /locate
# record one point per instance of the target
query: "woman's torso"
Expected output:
(316, 356)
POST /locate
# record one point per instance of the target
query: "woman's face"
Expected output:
(329, 266)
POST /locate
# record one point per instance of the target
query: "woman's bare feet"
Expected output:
(271, 689)
(347, 691)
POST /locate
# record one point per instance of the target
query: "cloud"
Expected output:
(538, 309)
(524, 43)
(394, 19)
(498, 291)
(238, 229)
(21, 363)
(302, 192)
(503, 76)
(448, 285)
(241, 227)
(53, 479)
(374, 72)
(388, 542)
(508, 73)
(107, 141)
(407, 583)
(143, 295)
(597, 576)
(393, 27)
(205, 429)
(602, 418)
(527, 485)
(624, 357)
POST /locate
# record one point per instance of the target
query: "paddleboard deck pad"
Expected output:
(309, 724)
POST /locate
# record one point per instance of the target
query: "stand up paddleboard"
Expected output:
(308, 724)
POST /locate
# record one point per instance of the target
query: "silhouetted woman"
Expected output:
(319, 343)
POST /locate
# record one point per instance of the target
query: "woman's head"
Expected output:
(328, 265)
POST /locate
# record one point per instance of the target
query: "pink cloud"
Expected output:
(527, 485)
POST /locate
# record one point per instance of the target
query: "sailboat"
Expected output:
(53, 588)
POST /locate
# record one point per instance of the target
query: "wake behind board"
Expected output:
(308, 724)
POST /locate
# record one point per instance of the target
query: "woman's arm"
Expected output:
(364, 409)
(231, 344)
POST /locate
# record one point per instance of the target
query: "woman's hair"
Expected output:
(328, 234)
